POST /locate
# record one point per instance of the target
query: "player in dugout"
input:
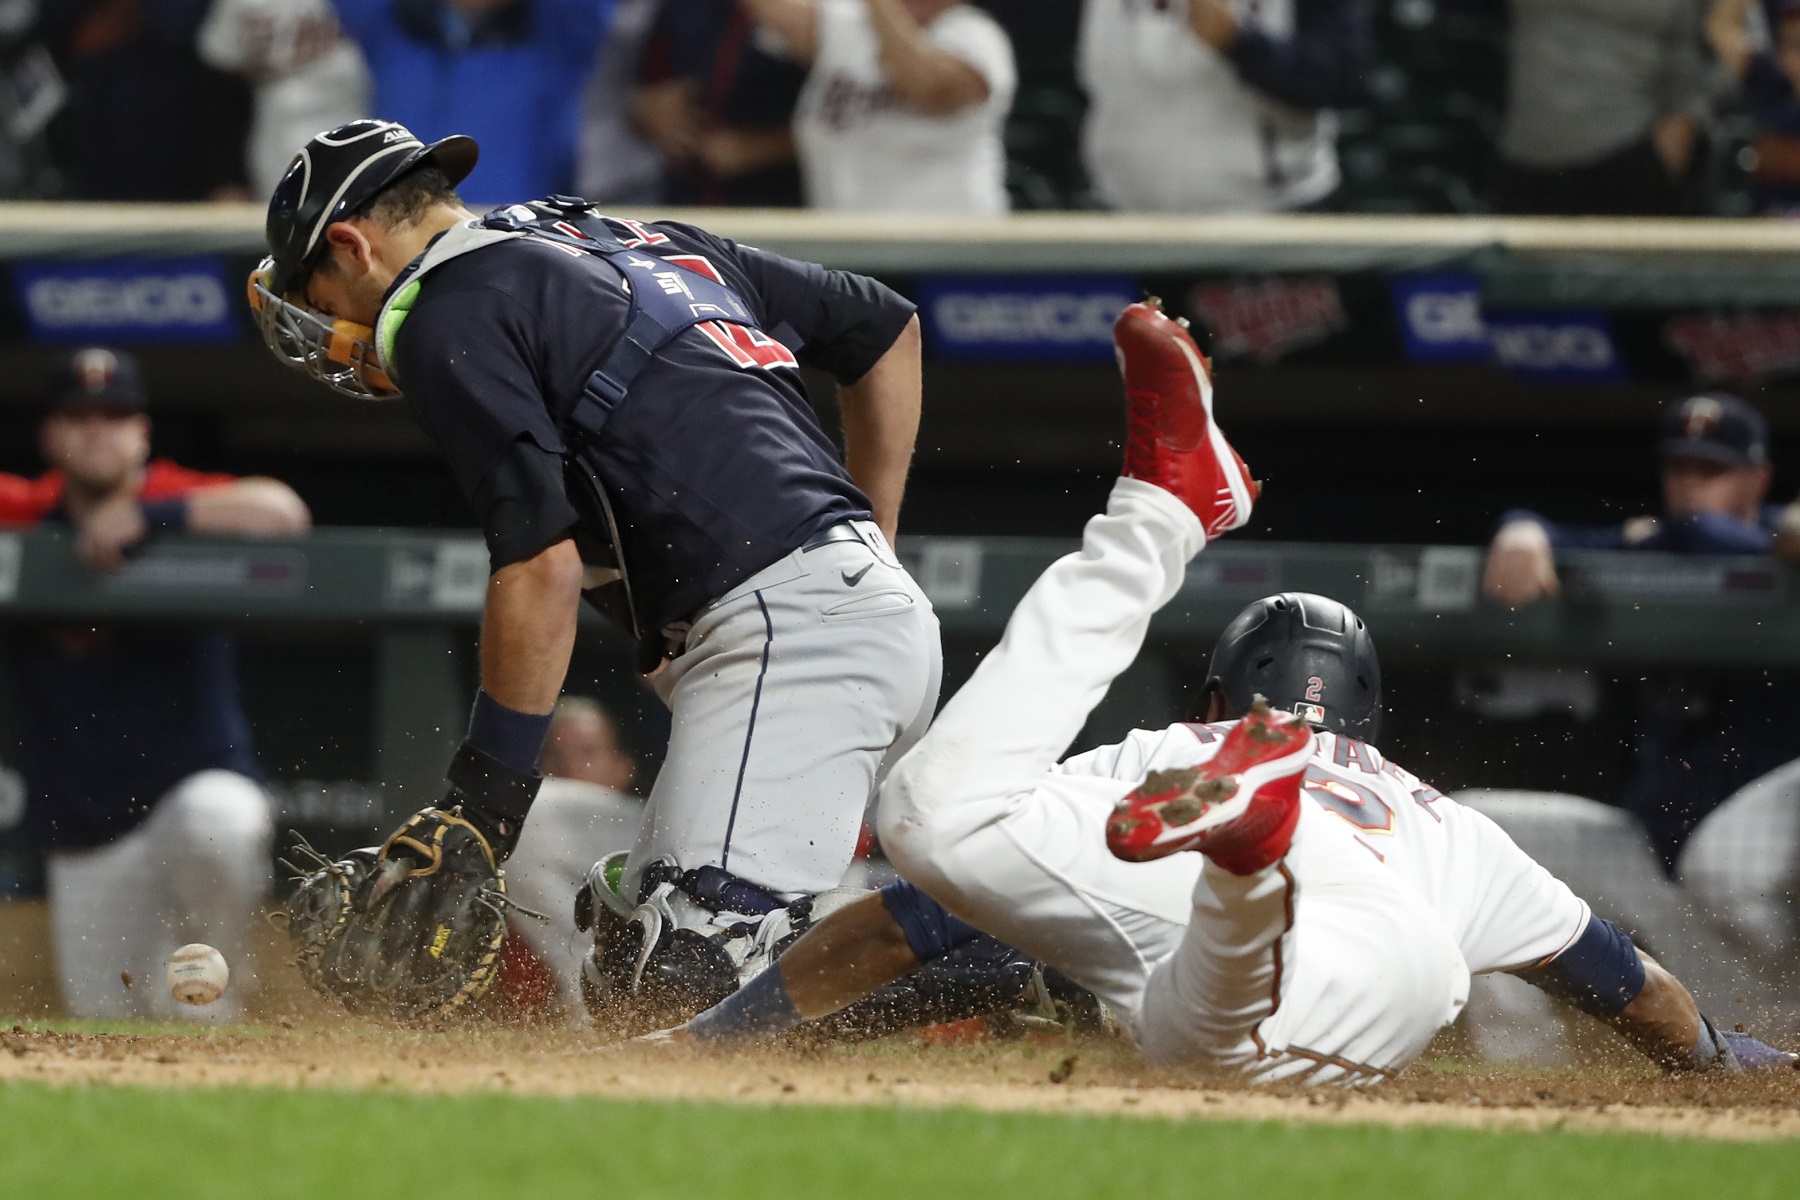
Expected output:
(1700, 735)
(141, 784)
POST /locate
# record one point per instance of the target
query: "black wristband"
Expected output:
(488, 784)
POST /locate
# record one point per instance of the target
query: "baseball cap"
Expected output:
(1717, 427)
(339, 171)
(97, 376)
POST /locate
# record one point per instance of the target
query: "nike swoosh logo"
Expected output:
(852, 580)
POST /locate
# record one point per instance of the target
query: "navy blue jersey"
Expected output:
(1701, 533)
(715, 463)
(110, 719)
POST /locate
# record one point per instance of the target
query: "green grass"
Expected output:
(269, 1145)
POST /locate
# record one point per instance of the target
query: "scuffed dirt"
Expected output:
(1051, 1075)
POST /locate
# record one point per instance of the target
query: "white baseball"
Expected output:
(197, 974)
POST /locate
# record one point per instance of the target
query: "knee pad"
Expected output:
(222, 808)
(1600, 973)
(930, 930)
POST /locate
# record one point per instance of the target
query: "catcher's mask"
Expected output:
(339, 354)
(332, 178)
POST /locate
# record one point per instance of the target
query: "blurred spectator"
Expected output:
(305, 73)
(903, 107)
(1603, 100)
(32, 93)
(1743, 867)
(583, 746)
(140, 780)
(717, 98)
(584, 812)
(1760, 46)
(146, 119)
(1700, 736)
(509, 73)
(615, 164)
(1209, 106)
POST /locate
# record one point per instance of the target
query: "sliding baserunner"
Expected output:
(1328, 923)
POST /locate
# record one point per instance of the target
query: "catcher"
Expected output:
(622, 405)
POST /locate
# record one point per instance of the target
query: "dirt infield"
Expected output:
(1052, 1075)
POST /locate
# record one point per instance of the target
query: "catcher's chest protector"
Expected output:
(668, 296)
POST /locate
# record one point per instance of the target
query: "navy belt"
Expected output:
(843, 531)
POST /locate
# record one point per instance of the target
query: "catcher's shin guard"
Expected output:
(645, 971)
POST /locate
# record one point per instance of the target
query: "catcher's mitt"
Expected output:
(410, 931)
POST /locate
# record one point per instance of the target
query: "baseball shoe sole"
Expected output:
(1239, 809)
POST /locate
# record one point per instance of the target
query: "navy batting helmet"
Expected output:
(1303, 653)
(336, 173)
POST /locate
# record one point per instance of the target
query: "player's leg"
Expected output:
(785, 709)
(102, 904)
(970, 815)
(212, 834)
(1319, 967)
(572, 826)
(787, 704)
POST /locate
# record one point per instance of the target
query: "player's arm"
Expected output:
(881, 424)
(928, 77)
(867, 336)
(1605, 975)
(1521, 565)
(528, 628)
(483, 407)
(256, 506)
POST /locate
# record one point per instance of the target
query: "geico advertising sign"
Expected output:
(1573, 346)
(1023, 318)
(145, 300)
(1440, 318)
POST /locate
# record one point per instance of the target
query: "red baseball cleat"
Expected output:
(1171, 439)
(1239, 809)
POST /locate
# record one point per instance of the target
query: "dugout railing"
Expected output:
(417, 596)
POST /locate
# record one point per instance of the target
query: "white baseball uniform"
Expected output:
(862, 147)
(307, 74)
(1171, 127)
(573, 825)
(196, 870)
(1338, 963)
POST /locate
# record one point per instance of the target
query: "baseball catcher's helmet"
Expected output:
(335, 174)
(339, 171)
(1303, 653)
